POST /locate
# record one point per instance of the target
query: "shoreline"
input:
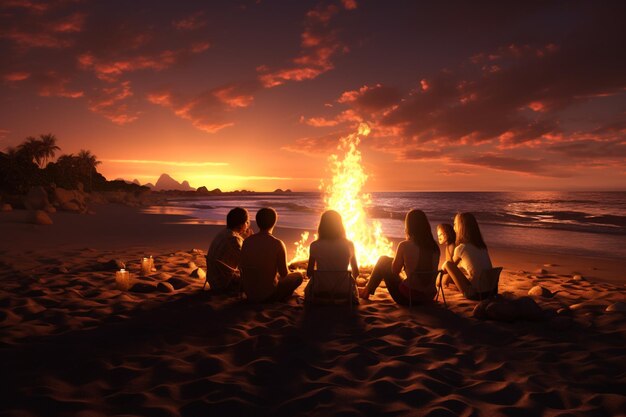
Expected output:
(118, 227)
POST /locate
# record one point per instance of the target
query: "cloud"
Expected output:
(208, 111)
(37, 31)
(318, 46)
(319, 145)
(111, 102)
(194, 21)
(371, 99)
(16, 76)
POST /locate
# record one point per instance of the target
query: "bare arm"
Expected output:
(398, 260)
(353, 265)
(281, 262)
(311, 267)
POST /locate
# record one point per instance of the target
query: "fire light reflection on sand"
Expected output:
(344, 194)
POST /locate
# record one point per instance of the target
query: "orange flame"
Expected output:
(343, 194)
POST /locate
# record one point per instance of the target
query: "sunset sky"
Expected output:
(255, 94)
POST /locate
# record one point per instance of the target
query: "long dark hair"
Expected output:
(448, 230)
(331, 226)
(468, 230)
(417, 228)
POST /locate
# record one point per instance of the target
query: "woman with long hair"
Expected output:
(470, 257)
(447, 238)
(332, 251)
(418, 253)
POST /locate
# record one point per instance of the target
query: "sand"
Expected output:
(73, 344)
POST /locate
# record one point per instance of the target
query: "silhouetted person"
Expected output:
(446, 237)
(222, 259)
(419, 252)
(264, 263)
(470, 257)
(332, 251)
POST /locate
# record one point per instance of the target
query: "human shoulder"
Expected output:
(459, 250)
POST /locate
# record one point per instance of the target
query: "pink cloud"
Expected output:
(194, 21)
(16, 76)
(111, 103)
(317, 146)
(319, 45)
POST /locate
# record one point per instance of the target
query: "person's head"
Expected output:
(331, 226)
(467, 230)
(446, 234)
(266, 218)
(237, 219)
(417, 228)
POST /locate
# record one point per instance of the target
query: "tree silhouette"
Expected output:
(48, 148)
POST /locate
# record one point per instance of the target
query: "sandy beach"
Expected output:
(73, 344)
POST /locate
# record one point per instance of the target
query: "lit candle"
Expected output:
(152, 268)
(146, 268)
(122, 278)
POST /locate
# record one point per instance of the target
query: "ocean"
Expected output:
(570, 223)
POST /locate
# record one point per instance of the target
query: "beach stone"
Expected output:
(6, 207)
(528, 309)
(142, 287)
(480, 311)
(177, 283)
(41, 217)
(539, 291)
(541, 271)
(616, 307)
(70, 200)
(165, 287)
(501, 310)
(578, 277)
(112, 265)
(36, 199)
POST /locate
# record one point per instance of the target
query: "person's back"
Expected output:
(416, 259)
(473, 260)
(332, 255)
(261, 256)
(264, 263)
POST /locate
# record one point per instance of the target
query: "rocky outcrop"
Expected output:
(165, 183)
(36, 199)
(70, 200)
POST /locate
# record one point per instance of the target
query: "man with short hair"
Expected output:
(264, 263)
(222, 259)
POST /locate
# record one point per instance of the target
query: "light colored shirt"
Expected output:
(223, 257)
(263, 259)
(472, 260)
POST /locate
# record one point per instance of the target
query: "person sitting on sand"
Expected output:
(419, 252)
(447, 238)
(263, 257)
(332, 251)
(470, 257)
(223, 256)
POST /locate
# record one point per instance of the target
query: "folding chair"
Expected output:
(419, 280)
(331, 287)
(487, 283)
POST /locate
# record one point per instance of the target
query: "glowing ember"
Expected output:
(344, 195)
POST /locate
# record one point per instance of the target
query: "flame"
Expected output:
(344, 195)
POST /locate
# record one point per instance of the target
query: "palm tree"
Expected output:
(87, 163)
(48, 147)
(31, 148)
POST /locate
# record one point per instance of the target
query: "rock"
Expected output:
(501, 310)
(6, 207)
(616, 307)
(480, 311)
(41, 217)
(50, 209)
(70, 200)
(165, 287)
(578, 277)
(112, 265)
(528, 309)
(541, 271)
(142, 287)
(177, 283)
(202, 190)
(539, 291)
(36, 199)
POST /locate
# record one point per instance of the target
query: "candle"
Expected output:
(146, 266)
(122, 278)
(152, 268)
